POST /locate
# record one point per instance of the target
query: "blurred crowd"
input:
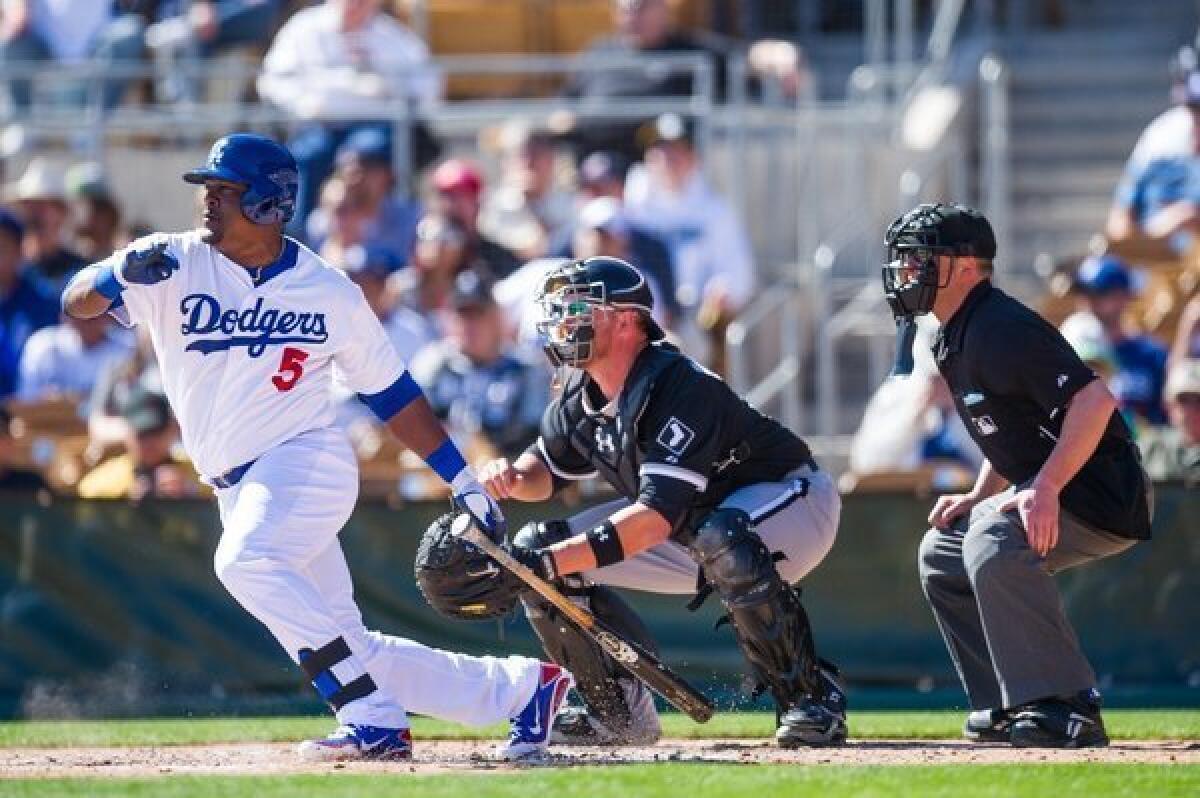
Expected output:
(449, 247)
(1145, 273)
(447, 251)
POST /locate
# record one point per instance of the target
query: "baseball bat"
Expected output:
(631, 656)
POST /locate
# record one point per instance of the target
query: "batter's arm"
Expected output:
(418, 428)
(81, 299)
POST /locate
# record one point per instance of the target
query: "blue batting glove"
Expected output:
(149, 266)
(470, 497)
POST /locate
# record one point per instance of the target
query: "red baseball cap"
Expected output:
(457, 175)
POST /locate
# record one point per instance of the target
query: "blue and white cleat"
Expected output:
(529, 735)
(351, 742)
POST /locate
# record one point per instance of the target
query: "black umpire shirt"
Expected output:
(677, 438)
(1012, 376)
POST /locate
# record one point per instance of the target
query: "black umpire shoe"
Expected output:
(1063, 722)
(815, 721)
(989, 725)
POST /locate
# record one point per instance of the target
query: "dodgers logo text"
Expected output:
(255, 328)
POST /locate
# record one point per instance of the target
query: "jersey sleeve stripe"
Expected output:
(394, 398)
(674, 472)
(554, 469)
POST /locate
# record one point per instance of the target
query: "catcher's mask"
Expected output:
(568, 299)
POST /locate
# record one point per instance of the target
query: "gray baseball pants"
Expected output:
(797, 517)
(998, 608)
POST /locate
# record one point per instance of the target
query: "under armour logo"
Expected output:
(1062, 380)
(604, 441)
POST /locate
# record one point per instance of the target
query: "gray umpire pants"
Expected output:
(797, 517)
(998, 608)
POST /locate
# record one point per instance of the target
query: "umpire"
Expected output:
(1061, 485)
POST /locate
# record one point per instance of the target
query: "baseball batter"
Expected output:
(249, 327)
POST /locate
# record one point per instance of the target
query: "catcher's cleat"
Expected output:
(816, 721)
(350, 741)
(1068, 722)
(989, 725)
(529, 733)
(809, 722)
(576, 726)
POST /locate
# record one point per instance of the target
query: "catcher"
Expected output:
(715, 497)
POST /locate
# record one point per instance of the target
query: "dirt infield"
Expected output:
(465, 757)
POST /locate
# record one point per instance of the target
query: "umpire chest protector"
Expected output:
(676, 438)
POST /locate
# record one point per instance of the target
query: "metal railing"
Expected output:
(814, 182)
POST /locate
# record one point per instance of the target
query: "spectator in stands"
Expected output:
(96, 213)
(27, 304)
(344, 218)
(473, 380)
(371, 269)
(136, 374)
(714, 269)
(602, 175)
(40, 197)
(69, 31)
(530, 208)
(344, 59)
(438, 257)
(66, 360)
(151, 465)
(1107, 286)
(189, 29)
(602, 229)
(1174, 452)
(364, 166)
(1170, 134)
(1187, 334)
(645, 27)
(459, 188)
(1158, 198)
(911, 423)
(12, 477)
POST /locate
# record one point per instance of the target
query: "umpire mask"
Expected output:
(910, 277)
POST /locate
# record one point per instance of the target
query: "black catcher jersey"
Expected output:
(676, 438)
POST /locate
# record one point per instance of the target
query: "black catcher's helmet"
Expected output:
(568, 296)
(458, 579)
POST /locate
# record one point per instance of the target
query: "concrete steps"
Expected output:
(1079, 99)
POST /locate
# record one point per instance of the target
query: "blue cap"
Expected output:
(11, 223)
(369, 145)
(1102, 274)
(371, 260)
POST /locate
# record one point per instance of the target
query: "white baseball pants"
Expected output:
(279, 556)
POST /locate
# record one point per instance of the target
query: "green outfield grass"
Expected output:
(669, 781)
(1125, 724)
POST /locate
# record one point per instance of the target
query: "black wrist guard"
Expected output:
(606, 544)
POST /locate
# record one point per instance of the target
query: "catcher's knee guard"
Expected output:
(614, 698)
(771, 626)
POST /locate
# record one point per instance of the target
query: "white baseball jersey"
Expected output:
(247, 361)
(247, 367)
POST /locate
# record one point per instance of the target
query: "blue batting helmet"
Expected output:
(265, 168)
